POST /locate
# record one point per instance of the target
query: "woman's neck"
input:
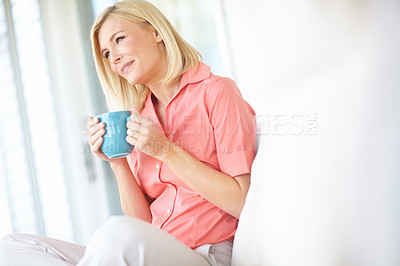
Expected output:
(163, 94)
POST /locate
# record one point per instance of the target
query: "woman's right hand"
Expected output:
(95, 131)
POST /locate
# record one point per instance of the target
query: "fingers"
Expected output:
(91, 121)
(138, 118)
(97, 144)
(132, 125)
(140, 125)
(135, 131)
(97, 135)
(135, 119)
(95, 131)
(132, 140)
(133, 134)
(130, 132)
(134, 111)
(93, 126)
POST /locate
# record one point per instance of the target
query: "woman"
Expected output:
(183, 187)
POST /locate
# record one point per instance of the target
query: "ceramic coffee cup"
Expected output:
(114, 140)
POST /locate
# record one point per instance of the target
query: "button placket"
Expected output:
(157, 170)
(169, 210)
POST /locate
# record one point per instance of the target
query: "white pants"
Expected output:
(120, 241)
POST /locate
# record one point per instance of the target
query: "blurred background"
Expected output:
(324, 74)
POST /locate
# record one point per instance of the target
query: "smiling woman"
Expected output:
(134, 26)
(167, 68)
(140, 42)
(181, 203)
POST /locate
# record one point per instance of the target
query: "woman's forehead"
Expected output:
(112, 25)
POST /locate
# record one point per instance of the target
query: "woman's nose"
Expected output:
(115, 57)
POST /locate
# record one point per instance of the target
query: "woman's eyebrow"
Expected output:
(111, 38)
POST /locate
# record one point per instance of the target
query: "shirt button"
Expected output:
(168, 211)
(157, 166)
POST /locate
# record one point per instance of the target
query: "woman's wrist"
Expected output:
(118, 163)
(171, 152)
(121, 169)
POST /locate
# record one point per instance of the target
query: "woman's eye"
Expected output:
(119, 39)
(106, 55)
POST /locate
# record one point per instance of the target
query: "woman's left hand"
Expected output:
(144, 134)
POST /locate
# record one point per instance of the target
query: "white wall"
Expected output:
(330, 198)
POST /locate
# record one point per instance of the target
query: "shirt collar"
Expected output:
(203, 71)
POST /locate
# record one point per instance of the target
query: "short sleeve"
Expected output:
(234, 124)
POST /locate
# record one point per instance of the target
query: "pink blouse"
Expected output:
(207, 117)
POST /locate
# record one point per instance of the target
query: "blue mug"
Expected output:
(114, 140)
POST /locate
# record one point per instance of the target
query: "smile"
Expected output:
(126, 66)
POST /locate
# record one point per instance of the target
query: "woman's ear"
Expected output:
(157, 36)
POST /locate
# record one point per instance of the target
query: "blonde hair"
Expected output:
(181, 56)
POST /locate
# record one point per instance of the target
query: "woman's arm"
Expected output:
(222, 190)
(133, 201)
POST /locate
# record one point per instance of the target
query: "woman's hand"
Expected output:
(144, 134)
(95, 131)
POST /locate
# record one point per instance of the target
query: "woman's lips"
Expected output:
(126, 66)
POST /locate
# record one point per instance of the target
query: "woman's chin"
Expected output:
(132, 81)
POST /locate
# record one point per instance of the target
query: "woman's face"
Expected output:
(133, 52)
